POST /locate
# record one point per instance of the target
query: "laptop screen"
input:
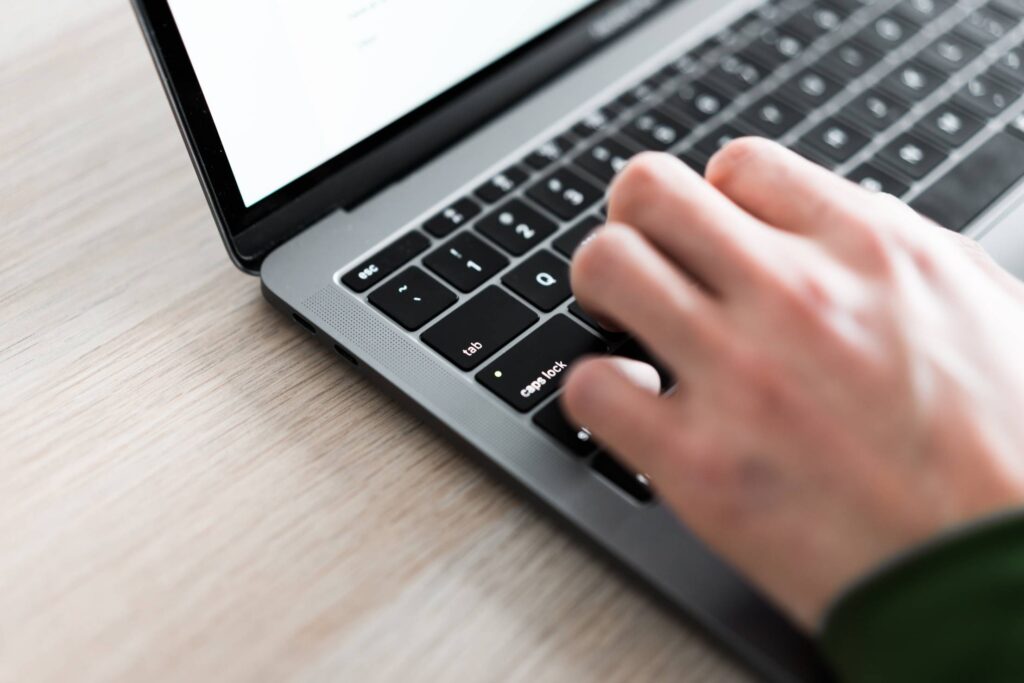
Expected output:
(290, 84)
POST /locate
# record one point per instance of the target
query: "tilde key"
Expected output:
(534, 368)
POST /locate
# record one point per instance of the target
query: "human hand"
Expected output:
(850, 375)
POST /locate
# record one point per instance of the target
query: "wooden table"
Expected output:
(192, 490)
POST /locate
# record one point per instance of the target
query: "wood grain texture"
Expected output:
(189, 488)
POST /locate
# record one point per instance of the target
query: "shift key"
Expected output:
(534, 369)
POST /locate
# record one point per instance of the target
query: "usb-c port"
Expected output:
(346, 355)
(305, 324)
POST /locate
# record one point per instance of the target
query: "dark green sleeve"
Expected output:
(950, 611)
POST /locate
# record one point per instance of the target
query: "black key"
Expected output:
(635, 95)
(593, 123)
(572, 239)
(985, 26)
(1010, 67)
(912, 82)
(385, 262)
(736, 74)
(849, 61)
(1017, 126)
(810, 89)
(749, 23)
(578, 311)
(773, 48)
(697, 102)
(911, 156)
(1013, 8)
(549, 153)
(479, 328)
(950, 53)
(543, 280)
(704, 49)
(605, 159)
(950, 126)
(718, 139)
(695, 160)
(836, 140)
(552, 420)
(465, 262)
(922, 12)
(516, 227)
(970, 188)
(812, 154)
(985, 96)
(637, 486)
(872, 178)
(501, 185)
(887, 33)
(873, 111)
(412, 298)
(565, 194)
(534, 368)
(815, 21)
(655, 129)
(455, 216)
(772, 117)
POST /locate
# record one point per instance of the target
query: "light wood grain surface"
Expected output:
(189, 488)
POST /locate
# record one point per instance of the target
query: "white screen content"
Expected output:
(292, 83)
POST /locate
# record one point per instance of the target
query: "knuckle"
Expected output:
(733, 158)
(597, 258)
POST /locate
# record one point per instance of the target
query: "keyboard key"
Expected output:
(1010, 67)
(572, 239)
(912, 82)
(637, 486)
(772, 117)
(543, 280)
(815, 21)
(605, 159)
(736, 74)
(986, 97)
(578, 311)
(641, 92)
(949, 126)
(922, 12)
(453, 217)
(974, 185)
(911, 157)
(501, 185)
(773, 48)
(549, 153)
(516, 227)
(565, 194)
(552, 420)
(836, 140)
(697, 102)
(479, 328)
(385, 262)
(412, 298)
(849, 61)
(465, 262)
(872, 178)
(695, 160)
(1017, 126)
(873, 111)
(1013, 8)
(655, 129)
(534, 368)
(812, 154)
(887, 33)
(985, 26)
(718, 139)
(593, 123)
(950, 53)
(810, 89)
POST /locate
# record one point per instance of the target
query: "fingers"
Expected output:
(620, 276)
(785, 190)
(622, 413)
(692, 222)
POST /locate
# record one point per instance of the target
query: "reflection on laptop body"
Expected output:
(410, 180)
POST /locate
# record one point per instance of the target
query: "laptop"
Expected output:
(409, 181)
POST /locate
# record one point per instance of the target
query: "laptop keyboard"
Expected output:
(917, 98)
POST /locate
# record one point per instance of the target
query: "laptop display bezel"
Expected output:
(251, 232)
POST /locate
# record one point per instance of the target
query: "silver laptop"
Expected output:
(409, 181)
